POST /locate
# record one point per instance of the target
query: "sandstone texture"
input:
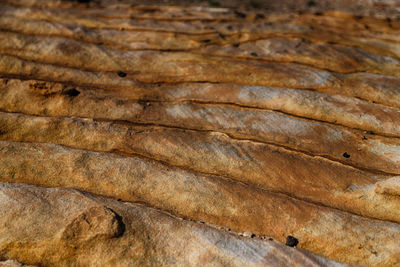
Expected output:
(138, 135)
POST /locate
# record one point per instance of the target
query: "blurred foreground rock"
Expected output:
(194, 135)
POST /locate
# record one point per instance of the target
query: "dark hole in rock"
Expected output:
(254, 54)
(366, 27)
(221, 35)
(71, 92)
(229, 27)
(318, 13)
(121, 74)
(291, 241)
(206, 41)
(235, 45)
(346, 155)
(358, 17)
(253, 235)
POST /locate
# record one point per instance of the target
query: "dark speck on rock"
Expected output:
(291, 241)
(71, 92)
(121, 74)
(346, 155)
(254, 54)
(318, 13)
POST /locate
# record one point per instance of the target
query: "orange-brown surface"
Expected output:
(194, 134)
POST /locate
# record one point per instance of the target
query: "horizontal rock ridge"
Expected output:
(181, 135)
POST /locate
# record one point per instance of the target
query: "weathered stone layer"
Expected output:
(66, 227)
(259, 123)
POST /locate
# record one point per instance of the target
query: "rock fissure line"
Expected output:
(254, 140)
(9, 52)
(197, 50)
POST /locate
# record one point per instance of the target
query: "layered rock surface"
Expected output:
(72, 228)
(258, 123)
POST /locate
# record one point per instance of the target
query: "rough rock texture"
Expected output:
(13, 263)
(219, 122)
(71, 228)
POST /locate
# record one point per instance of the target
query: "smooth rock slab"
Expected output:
(66, 227)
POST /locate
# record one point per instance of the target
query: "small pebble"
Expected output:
(247, 234)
